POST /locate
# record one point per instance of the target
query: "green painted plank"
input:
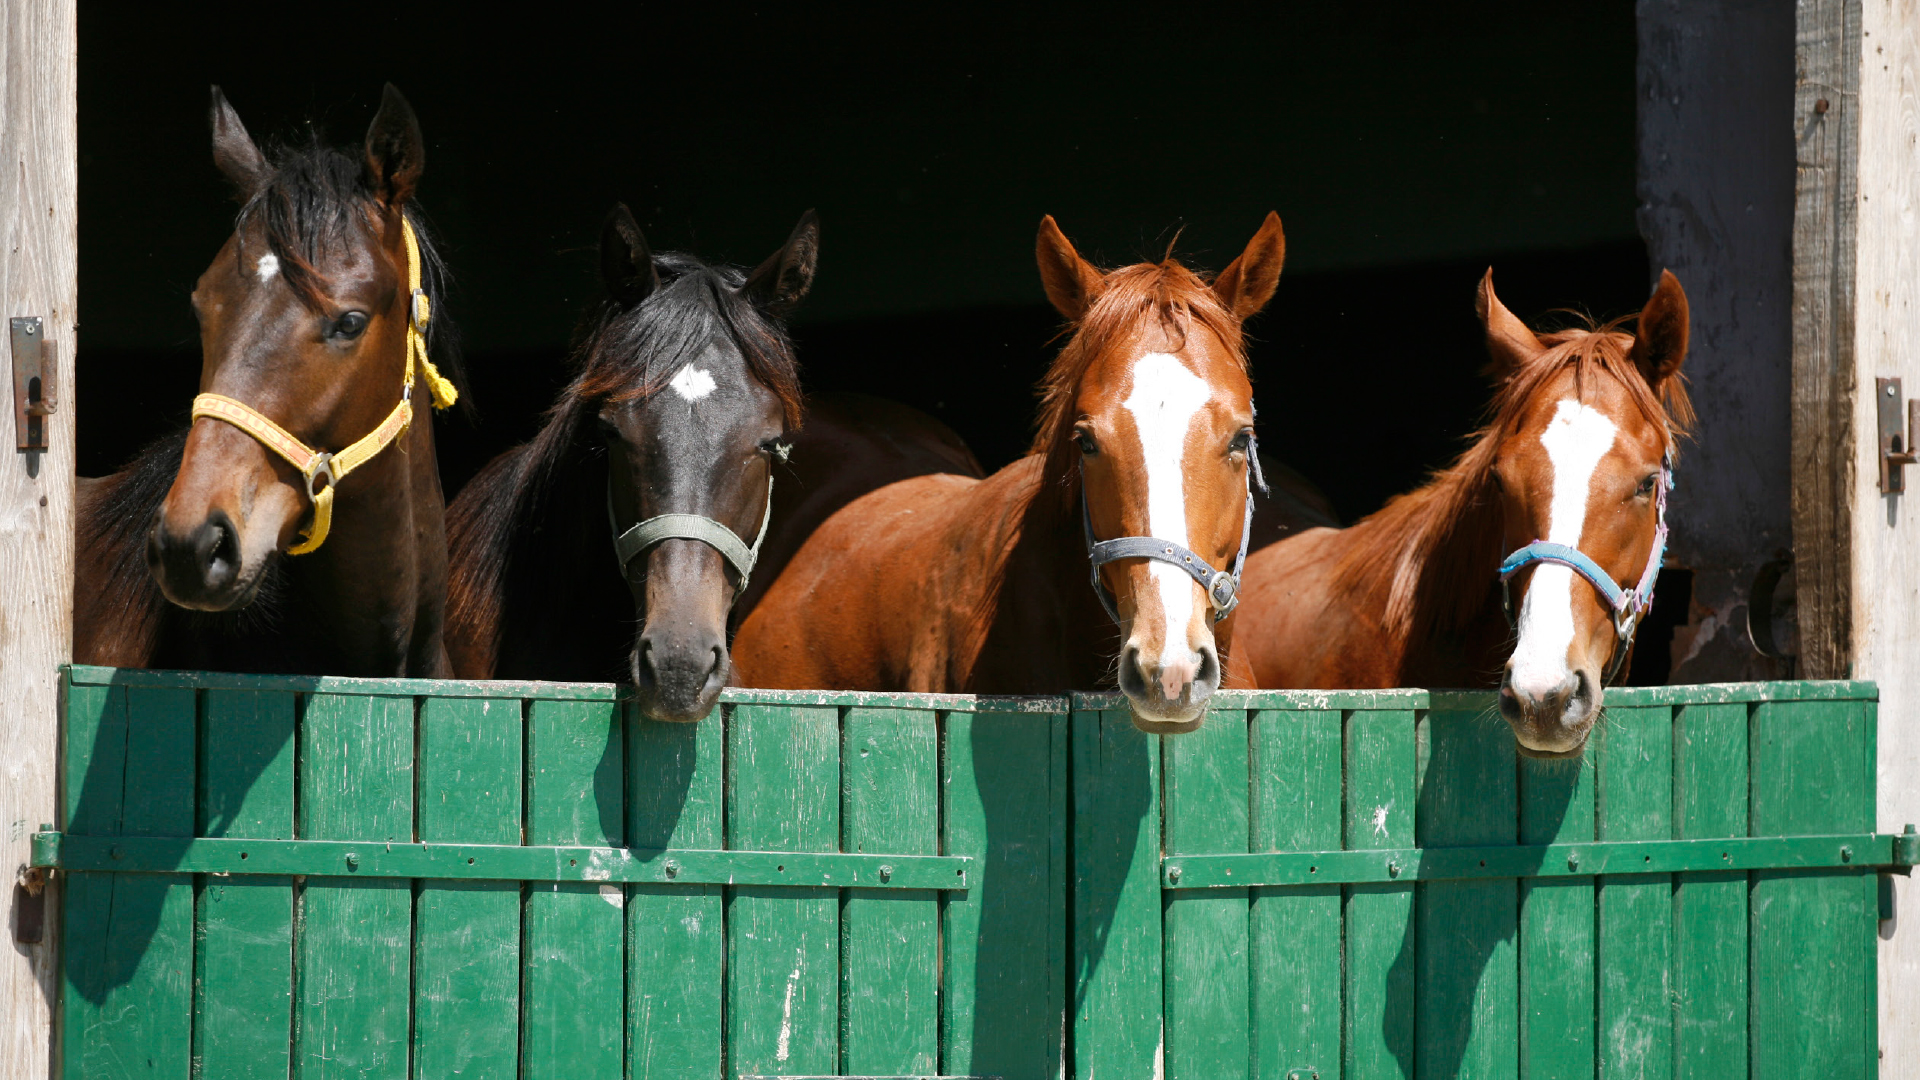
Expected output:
(1468, 979)
(783, 962)
(353, 943)
(676, 942)
(243, 927)
(466, 937)
(1812, 933)
(1293, 934)
(890, 942)
(1710, 909)
(1381, 932)
(1004, 786)
(1206, 794)
(573, 965)
(128, 941)
(1634, 764)
(1252, 700)
(1556, 926)
(1636, 697)
(1116, 897)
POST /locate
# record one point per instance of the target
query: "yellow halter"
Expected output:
(330, 469)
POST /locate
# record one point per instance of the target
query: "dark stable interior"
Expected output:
(1404, 155)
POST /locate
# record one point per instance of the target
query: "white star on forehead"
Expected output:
(692, 383)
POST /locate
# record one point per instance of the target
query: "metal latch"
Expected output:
(1896, 438)
(33, 382)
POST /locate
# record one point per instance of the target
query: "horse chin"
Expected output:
(1164, 724)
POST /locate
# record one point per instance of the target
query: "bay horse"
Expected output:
(615, 542)
(1014, 583)
(242, 543)
(1554, 516)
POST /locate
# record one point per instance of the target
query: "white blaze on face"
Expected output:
(268, 266)
(692, 383)
(1576, 439)
(1164, 400)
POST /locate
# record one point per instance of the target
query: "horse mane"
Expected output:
(621, 354)
(1429, 546)
(1167, 291)
(309, 202)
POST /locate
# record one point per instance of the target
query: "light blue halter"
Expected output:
(1627, 607)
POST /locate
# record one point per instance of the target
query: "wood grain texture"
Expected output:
(1710, 1037)
(1886, 529)
(1635, 802)
(1293, 934)
(1826, 120)
(1206, 795)
(1005, 791)
(39, 138)
(1381, 766)
(890, 941)
(1116, 974)
(1557, 926)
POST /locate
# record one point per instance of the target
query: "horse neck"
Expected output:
(1449, 626)
(378, 583)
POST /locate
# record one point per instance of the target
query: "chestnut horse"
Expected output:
(1555, 516)
(616, 541)
(313, 319)
(1141, 462)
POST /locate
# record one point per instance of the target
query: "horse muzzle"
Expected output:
(1551, 721)
(201, 567)
(678, 677)
(1168, 697)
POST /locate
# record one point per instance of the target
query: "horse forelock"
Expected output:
(629, 354)
(1431, 548)
(1131, 297)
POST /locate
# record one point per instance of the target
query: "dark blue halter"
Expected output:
(1627, 607)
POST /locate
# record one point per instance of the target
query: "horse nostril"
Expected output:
(217, 548)
(643, 673)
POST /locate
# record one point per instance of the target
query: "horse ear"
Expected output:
(777, 285)
(395, 151)
(1509, 343)
(1248, 282)
(1071, 281)
(626, 262)
(234, 153)
(1660, 341)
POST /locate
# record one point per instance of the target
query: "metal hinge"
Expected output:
(1896, 434)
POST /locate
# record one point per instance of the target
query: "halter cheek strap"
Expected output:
(321, 472)
(1222, 586)
(643, 535)
(1627, 607)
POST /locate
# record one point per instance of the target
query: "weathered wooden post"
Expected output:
(1856, 316)
(38, 198)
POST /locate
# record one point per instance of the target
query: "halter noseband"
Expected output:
(329, 469)
(642, 535)
(1627, 607)
(1222, 587)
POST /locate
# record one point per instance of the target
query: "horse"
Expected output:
(314, 322)
(1569, 477)
(1004, 585)
(614, 543)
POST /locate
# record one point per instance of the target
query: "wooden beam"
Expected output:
(1826, 119)
(38, 160)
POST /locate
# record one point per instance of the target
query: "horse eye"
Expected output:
(348, 326)
(1084, 439)
(1241, 443)
(1646, 485)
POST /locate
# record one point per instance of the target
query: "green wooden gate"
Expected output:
(268, 877)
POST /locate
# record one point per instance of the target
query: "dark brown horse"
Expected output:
(1564, 490)
(312, 339)
(947, 583)
(615, 542)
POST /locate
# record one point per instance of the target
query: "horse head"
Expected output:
(692, 383)
(1149, 418)
(305, 319)
(1586, 425)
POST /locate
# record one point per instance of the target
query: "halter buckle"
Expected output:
(1222, 590)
